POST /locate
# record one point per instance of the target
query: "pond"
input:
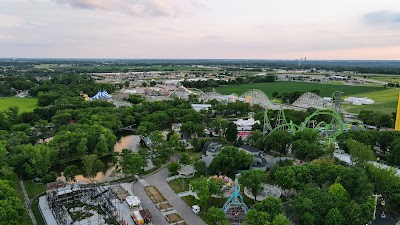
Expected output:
(126, 142)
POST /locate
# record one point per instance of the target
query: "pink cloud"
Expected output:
(135, 7)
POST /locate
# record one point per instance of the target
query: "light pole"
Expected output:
(376, 201)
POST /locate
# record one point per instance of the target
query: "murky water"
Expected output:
(126, 142)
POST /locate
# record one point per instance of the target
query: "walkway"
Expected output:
(159, 180)
(27, 203)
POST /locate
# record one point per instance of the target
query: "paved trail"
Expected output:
(27, 203)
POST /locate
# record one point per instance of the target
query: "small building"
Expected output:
(187, 171)
(244, 127)
(259, 161)
(133, 201)
(199, 107)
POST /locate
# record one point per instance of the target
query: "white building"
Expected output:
(199, 107)
(244, 126)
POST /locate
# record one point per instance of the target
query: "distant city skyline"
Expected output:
(195, 29)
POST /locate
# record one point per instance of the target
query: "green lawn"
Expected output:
(36, 211)
(385, 101)
(26, 219)
(33, 188)
(24, 104)
(290, 86)
(179, 185)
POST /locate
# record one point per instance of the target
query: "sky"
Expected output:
(194, 29)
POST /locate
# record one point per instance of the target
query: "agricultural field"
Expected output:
(24, 104)
(290, 86)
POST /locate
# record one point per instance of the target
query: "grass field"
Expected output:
(290, 86)
(385, 101)
(33, 189)
(24, 104)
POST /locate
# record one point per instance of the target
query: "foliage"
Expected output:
(271, 205)
(70, 172)
(278, 141)
(216, 216)
(255, 217)
(230, 160)
(78, 140)
(92, 165)
(253, 180)
(173, 168)
(135, 99)
(394, 156)
(205, 188)
(231, 132)
(200, 167)
(360, 153)
(281, 219)
(131, 163)
(11, 210)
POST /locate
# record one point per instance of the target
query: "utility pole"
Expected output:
(376, 201)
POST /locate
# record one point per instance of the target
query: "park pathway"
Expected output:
(159, 180)
(27, 203)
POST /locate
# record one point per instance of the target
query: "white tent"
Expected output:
(359, 101)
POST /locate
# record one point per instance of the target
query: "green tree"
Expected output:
(255, 217)
(231, 132)
(229, 160)
(70, 172)
(339, 194)
(271, 205)
(173, 168)
(11, 210)
(127, 83)
(200, 167)
(394, 156)
(131, 163)
(360, 153)
(92, 165)
(253, 180)
(256, 139)
(219, 125)
(278, 141)
(334, 217)
(216, 216)
(281, 219)
(174, 141)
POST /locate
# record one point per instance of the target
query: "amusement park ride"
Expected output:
(330, 130)
(235, 209)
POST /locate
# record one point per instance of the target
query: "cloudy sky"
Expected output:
(256, 29)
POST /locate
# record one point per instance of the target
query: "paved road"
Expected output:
(158, 180)
(158, 218)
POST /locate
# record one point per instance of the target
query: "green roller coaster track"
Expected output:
(329, 130)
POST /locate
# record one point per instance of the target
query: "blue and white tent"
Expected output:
(101, 95)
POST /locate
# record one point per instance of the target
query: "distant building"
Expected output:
(199, 107)
(244, 127)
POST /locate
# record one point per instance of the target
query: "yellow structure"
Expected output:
(86, 97)
(397, 124)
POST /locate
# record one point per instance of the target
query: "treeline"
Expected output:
(66, 86)
(10, 84)
(385, 144)
(333, 194)
(200, 84)
(290, 97)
